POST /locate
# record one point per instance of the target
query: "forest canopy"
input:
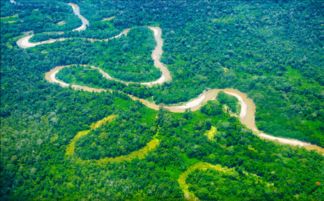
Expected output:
(270, 50)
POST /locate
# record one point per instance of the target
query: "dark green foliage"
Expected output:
(251, 47)
(132, 129)
(212, 108)
(212, 185)
(229, 101)
(130, 57)
(271, 50)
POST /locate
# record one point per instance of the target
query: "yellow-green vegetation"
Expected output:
(224, 20)
(102, 121)
(141, 153)
(211, 133)
(71, 147)
(203, 167)
(38, 119)
(108, 18)
(225, 70)
(9, 19)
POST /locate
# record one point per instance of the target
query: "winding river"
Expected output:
(25, 43)
(246, 116)
(248, 108)
(76, 11)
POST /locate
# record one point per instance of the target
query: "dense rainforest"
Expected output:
(272, 50)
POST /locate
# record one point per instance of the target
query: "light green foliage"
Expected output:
(272, 50)
(9, 19)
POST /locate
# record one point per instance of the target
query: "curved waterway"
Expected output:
(76, 11)
(248, 108)
(25, 43)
